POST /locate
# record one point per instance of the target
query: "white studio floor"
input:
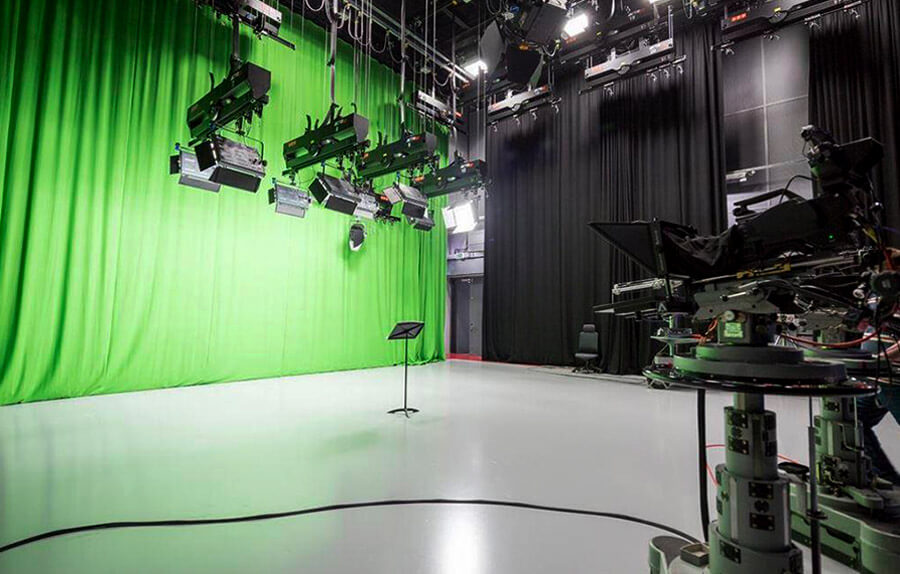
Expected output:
(485, 431)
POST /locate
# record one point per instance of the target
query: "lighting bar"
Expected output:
(521, 102)
(752, 18)
(410, 151)
(289, 200)
(239, 96)
(336, 136)
(460, 175)
(261, 18)
(623, 64)
(435, 109)
(184, 163)
(770, 12)
(233, 164)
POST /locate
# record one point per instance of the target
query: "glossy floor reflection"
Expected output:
(485, 431)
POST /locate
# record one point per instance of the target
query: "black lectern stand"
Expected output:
(405, 330)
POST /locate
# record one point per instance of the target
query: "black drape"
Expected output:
(855, 86)
(651, 148)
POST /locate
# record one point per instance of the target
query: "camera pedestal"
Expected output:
(753, 532)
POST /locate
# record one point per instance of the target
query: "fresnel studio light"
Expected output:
(235, 101)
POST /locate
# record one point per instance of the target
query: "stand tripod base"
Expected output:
(850, 534)
(404, 410)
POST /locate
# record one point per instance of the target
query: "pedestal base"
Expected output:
(850, 534)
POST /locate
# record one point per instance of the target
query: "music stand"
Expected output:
(405, 330)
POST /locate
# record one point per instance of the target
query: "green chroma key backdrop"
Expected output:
(115, 278)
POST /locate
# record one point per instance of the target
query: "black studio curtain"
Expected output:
(651, 147)
(855, 86)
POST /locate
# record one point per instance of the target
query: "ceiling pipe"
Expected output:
(415, 42)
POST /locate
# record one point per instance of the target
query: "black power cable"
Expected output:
(702, 463)
(334, 507)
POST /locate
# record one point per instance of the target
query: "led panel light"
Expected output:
(184, 163)
(575, 25)
(464, 216)
(233, 164)
(367, 207)
(449, 217)
(289, 200)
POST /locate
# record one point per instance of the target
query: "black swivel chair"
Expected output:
(588, 350)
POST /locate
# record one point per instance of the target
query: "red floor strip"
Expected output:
(465, 357)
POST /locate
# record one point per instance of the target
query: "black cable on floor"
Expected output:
(333, 507)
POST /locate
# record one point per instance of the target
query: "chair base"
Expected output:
(588, 368)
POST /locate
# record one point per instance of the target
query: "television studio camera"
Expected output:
(775, 305)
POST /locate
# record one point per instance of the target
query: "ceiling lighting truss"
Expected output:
(517, 104)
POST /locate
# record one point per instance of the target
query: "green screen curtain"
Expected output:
(115, 278)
